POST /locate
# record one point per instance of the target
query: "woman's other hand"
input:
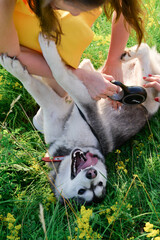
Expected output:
(153, 81)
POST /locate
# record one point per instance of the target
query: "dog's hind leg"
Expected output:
(55, 109)
(147, 65)
(142, 53)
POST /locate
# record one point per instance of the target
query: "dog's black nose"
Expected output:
(91, 173)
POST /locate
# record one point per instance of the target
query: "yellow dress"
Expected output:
(77, 33)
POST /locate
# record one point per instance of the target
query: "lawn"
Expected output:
(131, 208)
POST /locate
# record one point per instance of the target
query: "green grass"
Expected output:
(133, 188)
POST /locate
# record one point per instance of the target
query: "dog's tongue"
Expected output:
(91, 161)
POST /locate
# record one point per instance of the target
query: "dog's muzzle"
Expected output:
(81, 161)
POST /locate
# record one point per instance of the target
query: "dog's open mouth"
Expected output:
(81, 160)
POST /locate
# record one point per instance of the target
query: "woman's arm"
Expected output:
(9, 42)
(35, 62)
(119, 38)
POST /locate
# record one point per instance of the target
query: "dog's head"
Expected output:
(81, 176)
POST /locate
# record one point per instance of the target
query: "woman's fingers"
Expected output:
(153, 81)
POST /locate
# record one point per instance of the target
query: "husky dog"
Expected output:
(85, 140)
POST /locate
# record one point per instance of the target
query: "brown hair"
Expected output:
(47, 17)
(131, 10)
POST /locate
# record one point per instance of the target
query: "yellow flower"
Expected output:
(1, 96)
(84, 228)
(51, 198)
(150, 137)
(108, 210)
(151, 22)
(1, 217)
(148, 227)
(110, 219)
(157, 238)
(129, 206)
(97, 37)
(10, 218)
(114, 208)
(98, 25)
(18, 227)
(118, 151)
(153, 233)
(10, 226)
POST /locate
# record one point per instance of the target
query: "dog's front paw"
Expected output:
(13, 66)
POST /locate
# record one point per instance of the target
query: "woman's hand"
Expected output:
(153, 82)
(114, 69)
(98, 84)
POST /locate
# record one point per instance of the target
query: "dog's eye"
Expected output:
(81, 191)
(100, 184)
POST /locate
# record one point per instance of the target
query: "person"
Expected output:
(22, 20)
(153, 81)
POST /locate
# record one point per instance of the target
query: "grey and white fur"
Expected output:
(82, 175)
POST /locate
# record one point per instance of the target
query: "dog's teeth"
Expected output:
(74, 167)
